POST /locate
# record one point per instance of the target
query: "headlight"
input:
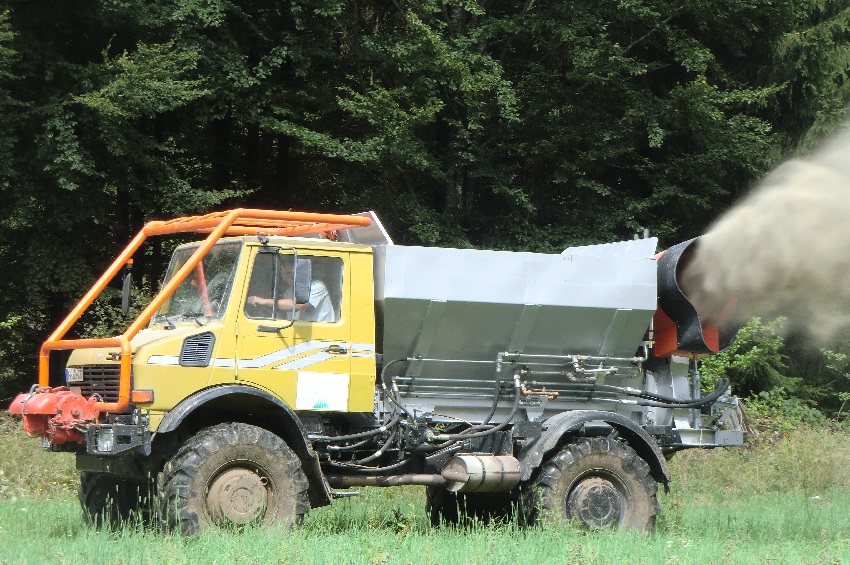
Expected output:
(105, 439)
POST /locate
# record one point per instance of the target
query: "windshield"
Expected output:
(205, 292)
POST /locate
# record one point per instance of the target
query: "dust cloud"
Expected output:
(784, 250)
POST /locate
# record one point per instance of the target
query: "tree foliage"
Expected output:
(755, 362)
(505, 124)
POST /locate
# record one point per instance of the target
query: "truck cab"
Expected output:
(214, 331)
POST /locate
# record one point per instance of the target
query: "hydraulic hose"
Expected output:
(396, 416)
(465, 435)
(669, 402)
(361, 435)
(496, 394)
(391, 394)
(357, 445)
(360, 469)
(378, 453)
(719, 389)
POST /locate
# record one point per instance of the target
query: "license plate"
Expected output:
(74, 375)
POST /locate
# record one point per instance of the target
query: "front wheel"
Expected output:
(233, 474)
(600, 482)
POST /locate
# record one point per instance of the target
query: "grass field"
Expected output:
(779, 502)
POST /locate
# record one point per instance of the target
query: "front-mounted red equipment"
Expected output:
(54, 413)
(62, 415)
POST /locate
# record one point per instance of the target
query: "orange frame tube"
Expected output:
(241, 221)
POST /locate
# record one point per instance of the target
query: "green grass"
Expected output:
(786, 502)
(26, 470)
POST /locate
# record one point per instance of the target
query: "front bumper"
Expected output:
(114, 439)
(64, 418)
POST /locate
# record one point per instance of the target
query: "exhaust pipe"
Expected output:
(462, 473)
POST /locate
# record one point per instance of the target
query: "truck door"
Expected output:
(306, 361)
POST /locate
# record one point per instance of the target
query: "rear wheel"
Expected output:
(600, 482)
(232, 475)
(110, 501)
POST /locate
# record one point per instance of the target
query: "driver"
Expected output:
(318, 308)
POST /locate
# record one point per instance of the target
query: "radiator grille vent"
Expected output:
(197, 350)
(101, 380)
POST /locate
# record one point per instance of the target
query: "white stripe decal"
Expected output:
(282, 357)
(278, 356)
(172, 360)
(311, 359)
(163, 360)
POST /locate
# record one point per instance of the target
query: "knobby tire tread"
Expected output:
(544, 499)
(176, 482)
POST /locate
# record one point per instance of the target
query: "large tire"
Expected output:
(231, 475)
(599, 482)
(108, 501)
(449, 508)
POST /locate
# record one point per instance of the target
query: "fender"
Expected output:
(554, 428)
(288, 425)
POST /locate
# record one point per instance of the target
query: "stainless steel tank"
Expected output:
(452, 312)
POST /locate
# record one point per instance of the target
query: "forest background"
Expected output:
(500, 124)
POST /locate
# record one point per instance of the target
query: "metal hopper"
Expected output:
(454, 311)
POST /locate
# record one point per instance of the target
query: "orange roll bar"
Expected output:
(241, 221)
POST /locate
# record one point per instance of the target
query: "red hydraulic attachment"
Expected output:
(57, 412)
(54, 413)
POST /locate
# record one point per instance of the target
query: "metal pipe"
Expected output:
(696, 386)
(345, 481)
(514, 357)
(445, 386)
(464, 361)
(447, 395)
(442, 381)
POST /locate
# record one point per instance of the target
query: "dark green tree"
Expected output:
(811, 63)
(505, 124)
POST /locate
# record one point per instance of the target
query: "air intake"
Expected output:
(197, 350)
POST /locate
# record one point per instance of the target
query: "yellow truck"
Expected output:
(292, 356)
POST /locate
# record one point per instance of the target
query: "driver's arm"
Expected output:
(283, 304)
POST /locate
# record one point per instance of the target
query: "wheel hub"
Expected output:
(596, 502)
(237, 495)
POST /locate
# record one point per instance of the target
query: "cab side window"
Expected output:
(270, 288)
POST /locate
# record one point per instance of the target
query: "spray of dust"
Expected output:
(782, 251)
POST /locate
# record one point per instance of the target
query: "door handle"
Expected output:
(274, 329)
(336, 350)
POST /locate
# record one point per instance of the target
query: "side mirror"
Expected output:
(303, 277)
(126, 287)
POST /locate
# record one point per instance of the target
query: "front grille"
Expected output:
(101, 380)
